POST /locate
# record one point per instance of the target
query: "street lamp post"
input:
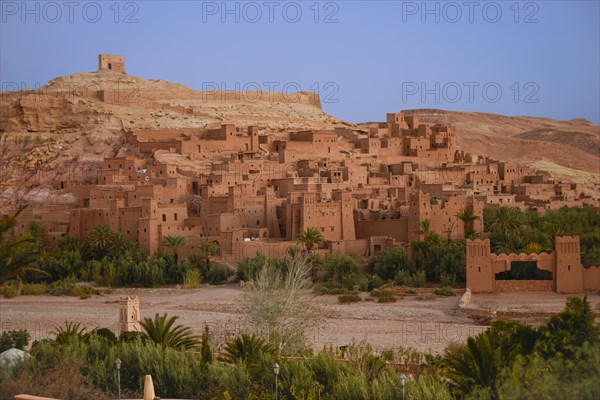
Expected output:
(276, 371)
(118, 368)
(402, 383)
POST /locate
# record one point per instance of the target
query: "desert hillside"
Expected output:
(573, 144)
(74, 121)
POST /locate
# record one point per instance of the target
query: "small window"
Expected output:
(164, 217)
(175, 216)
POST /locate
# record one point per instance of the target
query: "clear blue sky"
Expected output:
(372, 57)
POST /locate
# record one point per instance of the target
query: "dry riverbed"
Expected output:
(425, 323)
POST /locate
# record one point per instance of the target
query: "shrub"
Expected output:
(11, 289)
(333, 288)
(401, 277)
(417, 279)
(217, 274)
(343, 269)
(447, 280)
(374, 283)
(61, 288)
(387, 264)
(247, 270)
(17, 339)
(106, 334)
(83, 291)
(191, 278)
(445, 291)
(349, 298)
(387, 296)
(410, 291)
(34, 289)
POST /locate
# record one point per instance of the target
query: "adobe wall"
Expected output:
(591, 278)
(524, 286)
(396, 228)
(568, 275)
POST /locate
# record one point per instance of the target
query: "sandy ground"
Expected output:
(426, 323)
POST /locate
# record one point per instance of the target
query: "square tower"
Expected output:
(129, 315)
(111, 62)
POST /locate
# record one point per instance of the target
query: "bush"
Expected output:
(417, 279)
(445, 291)
(447, 280)
(106, 334)
(83, 291)
(11, 289)
(61, 288)
(217, 274)
(17, 339)
(349, 298)
(386, 296)
(332, 289)
(247, 270)
(410, 291)
(34, 289)
(401, 277)
(343, 269)
(191, 278)
(387, 264)
(374, 282)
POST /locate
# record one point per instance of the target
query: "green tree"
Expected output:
(207, 249)
(468, 218)
(387, 263)
(343, 269)
(17, 258)
(563, 333)
(100, 241)
(206, 354)
(424, 229)
(161, 330)
(174, 242)
(310, 237)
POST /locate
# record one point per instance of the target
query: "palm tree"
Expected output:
(468, 218)
(293, 251)
(246, 348)
(161, 331)
(506, 222)
(16, 256)
(474, 365)
(207, 249)
(424, 229)
(310, 237)
(174, 242)
(100, 240)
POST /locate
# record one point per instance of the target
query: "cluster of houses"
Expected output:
(250, 190)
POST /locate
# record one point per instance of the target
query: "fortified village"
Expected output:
(365, 189)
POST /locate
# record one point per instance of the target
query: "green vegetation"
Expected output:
(510, 360)
(513, 360)
(103, 258)
(310, 238)
(514, 231)
(349, 298)
(19, 339)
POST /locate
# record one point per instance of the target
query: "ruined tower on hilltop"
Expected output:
(111, 62)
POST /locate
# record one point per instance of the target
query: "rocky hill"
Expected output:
(573, 144)
(74, 121)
